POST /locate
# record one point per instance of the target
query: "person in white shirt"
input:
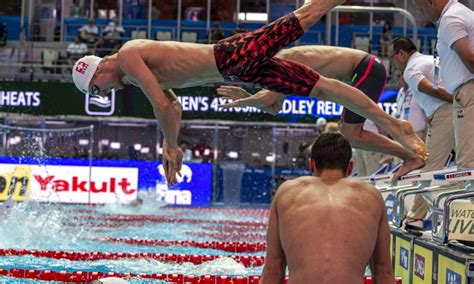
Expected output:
(88, 33)
(419, 74)
(76, 49)
(113, 31)
(408, 108)
(455, 46)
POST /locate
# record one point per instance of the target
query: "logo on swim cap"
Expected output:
(83, 71)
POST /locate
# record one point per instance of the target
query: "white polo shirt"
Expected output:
(421, 67)
(408, 109)
(456, 22)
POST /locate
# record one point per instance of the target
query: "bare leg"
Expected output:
(313, 10)
(370, 141)
(358, 102)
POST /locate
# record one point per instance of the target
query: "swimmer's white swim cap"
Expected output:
(83, 71)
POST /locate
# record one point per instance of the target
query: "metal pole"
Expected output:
(371, 26)
(328, 27)
(120, 15)
(268, 11)
(405, 20)
(91, 143)
(364, 9)
(22, 21)
(30, 17)
(208, 20)
(61, 36)
(149, 19)
(336, 33)
(237, 11)
(178, 36)
(91, 10)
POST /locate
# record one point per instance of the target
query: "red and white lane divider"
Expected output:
(230, 236)
(82, 276)
(224, 246)
(247, 261)
(162, 219)
(233, 229)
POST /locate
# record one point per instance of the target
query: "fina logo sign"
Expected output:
(176, 197)
(98, 105)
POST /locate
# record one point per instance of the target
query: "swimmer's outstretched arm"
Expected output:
(265, 100)
(166, 110)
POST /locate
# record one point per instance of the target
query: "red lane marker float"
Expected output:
(224, 246)
(161, 219)
(104, 225)
(241, 212)
(232, 229)
(247, 261)
(82, 276)
(229, 236)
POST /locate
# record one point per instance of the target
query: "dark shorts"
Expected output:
(369, 77)
(248, 57)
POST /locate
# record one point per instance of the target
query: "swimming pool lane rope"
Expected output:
(223, 246)
(247, 261)
(82, 276)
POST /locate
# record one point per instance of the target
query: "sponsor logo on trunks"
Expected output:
(175, 196)
(404, 258)
(81, 67)
(458, 175)
(420, 266)
(100, 106)
(453, 277)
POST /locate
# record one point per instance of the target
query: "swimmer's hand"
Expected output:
(267, 101)
(172, 162)
(232, 92)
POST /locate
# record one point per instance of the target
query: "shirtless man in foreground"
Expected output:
(364, 71)
(326, 227)
(156, 66)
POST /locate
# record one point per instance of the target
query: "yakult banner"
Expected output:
(111, 181)
(69, 184)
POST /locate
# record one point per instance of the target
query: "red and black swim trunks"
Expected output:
(248, 57)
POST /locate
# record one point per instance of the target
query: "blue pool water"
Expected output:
(34, 226)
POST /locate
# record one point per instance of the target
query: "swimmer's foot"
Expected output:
(408, 166)
(410, 140)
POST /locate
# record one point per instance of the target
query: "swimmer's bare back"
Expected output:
(328, 231)
(174, 64)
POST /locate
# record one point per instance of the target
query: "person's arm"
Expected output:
(168, 113)
(275, 260)
(380, 262)
(426, 86)
(465, 52)
(265, 100)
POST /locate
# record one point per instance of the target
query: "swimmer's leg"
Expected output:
(358, 102)
(312, 11)
(370, 141)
